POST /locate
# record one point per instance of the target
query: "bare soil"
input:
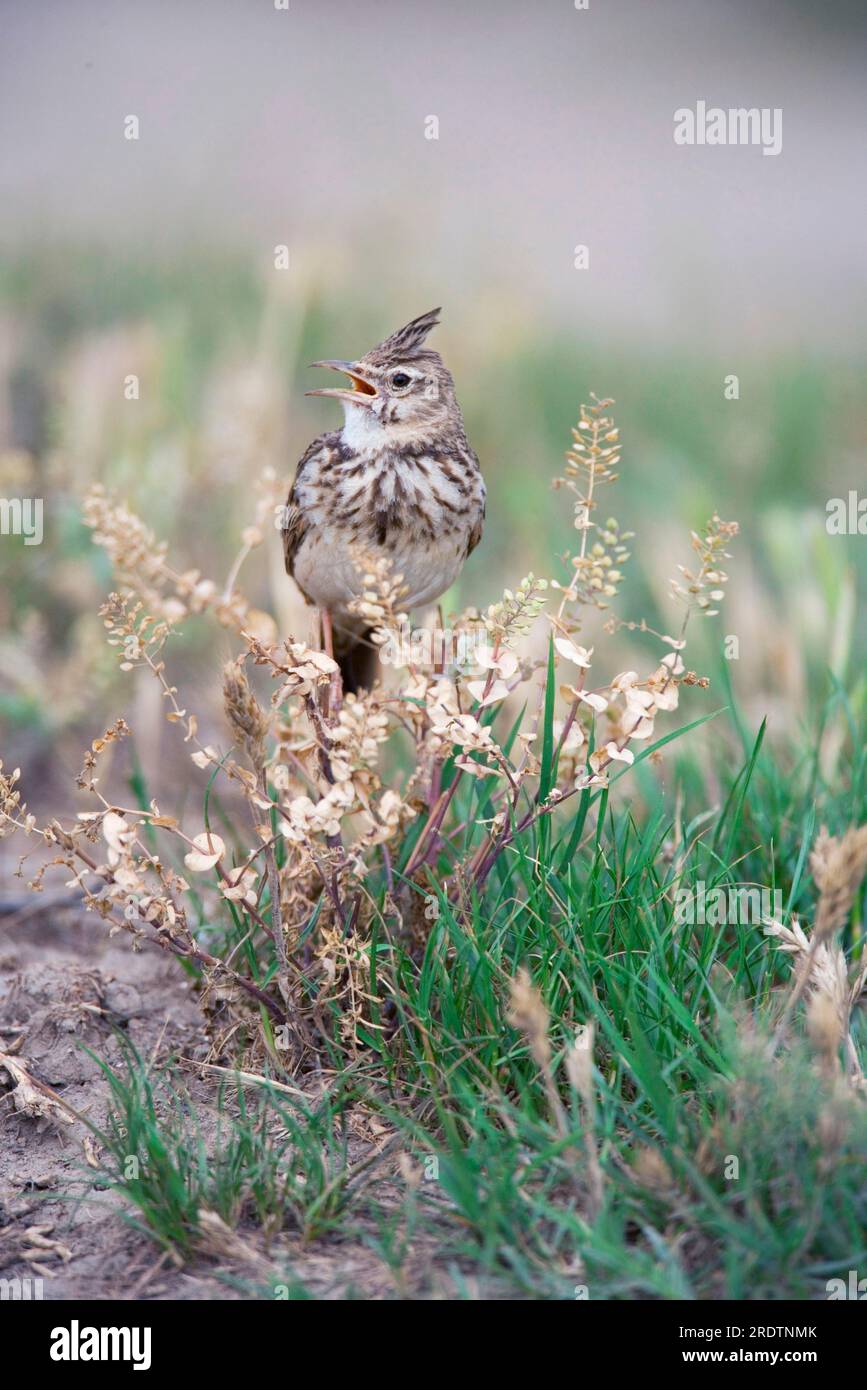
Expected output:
(66, 986)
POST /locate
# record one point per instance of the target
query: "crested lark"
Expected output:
(400, 480)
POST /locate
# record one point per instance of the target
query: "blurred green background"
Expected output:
(258, 128)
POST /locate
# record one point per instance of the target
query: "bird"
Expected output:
(399, 480)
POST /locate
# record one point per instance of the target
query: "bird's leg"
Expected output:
(327, 632)
(439, 665)
(335, 688)
(440, 656)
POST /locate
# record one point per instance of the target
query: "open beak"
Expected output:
(361, 392)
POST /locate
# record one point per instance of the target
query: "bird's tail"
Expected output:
(358, 658)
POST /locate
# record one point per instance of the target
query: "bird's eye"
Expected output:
(400, 380)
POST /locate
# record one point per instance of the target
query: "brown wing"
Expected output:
(294, 530)
(479, 523)
(294, 524)
(476, 534)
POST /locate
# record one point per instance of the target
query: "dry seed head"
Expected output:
(824, 1028)
(141, 566)
(652, 1171)
(838, 866)
(703, 587)
(10, 801)
(132, 546)
(827, 964)
(527, 1012)
(244, 713)
(515, 614)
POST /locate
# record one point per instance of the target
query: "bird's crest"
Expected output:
(408, 339)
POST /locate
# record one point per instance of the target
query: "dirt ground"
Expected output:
(64, 986)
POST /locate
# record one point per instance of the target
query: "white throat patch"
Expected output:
(362, 430)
